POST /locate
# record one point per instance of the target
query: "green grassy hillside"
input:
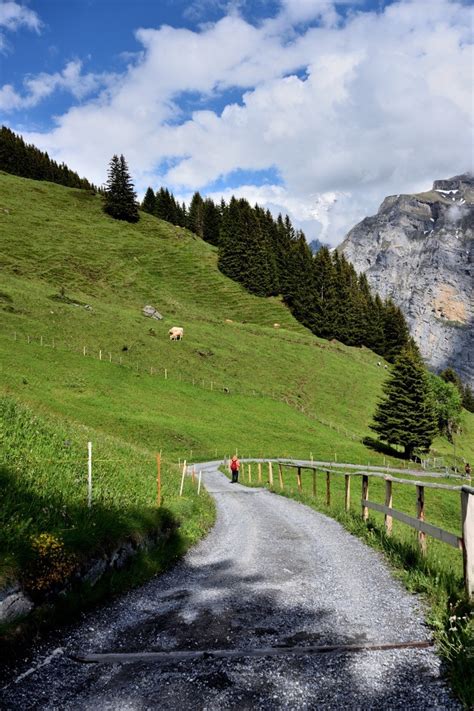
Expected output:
(79, 362)
(75, 281)
(283, 383)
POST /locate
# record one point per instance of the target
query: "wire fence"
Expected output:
(158, 371)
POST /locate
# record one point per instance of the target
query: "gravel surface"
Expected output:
(272, 572)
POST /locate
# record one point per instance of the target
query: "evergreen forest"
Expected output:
(27, 161)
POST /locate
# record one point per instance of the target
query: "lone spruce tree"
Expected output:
(407, 415)
(120, 198)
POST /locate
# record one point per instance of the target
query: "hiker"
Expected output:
(234, 469)
(467, 470)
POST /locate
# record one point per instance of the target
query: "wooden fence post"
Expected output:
(388, 503)
(347, 500)
(420, 514)
(260, 472)
(280, 476)
(270, 474)
(314, 483)
(158, 479)
(298, 477)
(89, 474)
(467, 513)
(365, 496)
(250, 473)
(182, 478)
(328, 488)
(199, 481)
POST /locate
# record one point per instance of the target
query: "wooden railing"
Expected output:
(465, 542)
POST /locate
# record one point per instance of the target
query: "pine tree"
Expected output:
(18, 158)
(149, 202)
(407, 415)
(120, 198)
(300, 291)
(211, 222)
(326, 300)
(396, 333)
(196, 215)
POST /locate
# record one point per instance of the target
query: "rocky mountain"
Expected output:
(418, 249)
(316, 244)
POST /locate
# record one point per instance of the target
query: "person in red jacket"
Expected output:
(234, 469)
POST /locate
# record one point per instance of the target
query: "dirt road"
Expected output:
(268, 591)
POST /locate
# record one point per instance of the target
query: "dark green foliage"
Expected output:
(450, 376)
(120, 198)
(299, 283)
(448, 405)
(407, 415)
(196, 215)
(27, 161)
(396, 333)
(244, 252)
(211, 222)
(149, 202)
(468, 398)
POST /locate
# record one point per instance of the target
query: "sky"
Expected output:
(314, 108)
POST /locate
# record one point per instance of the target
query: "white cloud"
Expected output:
(383, 106)
(41, 86)
(13, 16)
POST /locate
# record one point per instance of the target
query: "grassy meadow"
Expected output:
(246, 376)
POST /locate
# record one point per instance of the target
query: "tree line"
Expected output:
(27, 161)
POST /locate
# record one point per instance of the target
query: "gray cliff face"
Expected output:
(418, 249)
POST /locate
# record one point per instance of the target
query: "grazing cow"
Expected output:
(379, 364)
(276, 325)
(176, 333)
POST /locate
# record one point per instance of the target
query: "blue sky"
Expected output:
(312, 107)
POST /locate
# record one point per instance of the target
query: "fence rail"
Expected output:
(465, 542)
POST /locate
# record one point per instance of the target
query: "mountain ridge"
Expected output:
(419, 250)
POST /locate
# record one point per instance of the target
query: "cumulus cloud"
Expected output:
(13, 16)
(347, 110)
(39, 87)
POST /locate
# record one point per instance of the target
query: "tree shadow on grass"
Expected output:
(383, 448)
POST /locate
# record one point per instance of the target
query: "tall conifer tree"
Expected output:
(149, 202)
(120, 198)
(407, 415)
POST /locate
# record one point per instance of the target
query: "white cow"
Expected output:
(176, 333)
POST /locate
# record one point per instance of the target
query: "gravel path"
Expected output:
(272, 572)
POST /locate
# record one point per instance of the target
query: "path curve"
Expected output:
(272, 572)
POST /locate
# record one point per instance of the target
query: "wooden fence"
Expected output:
(465, 542)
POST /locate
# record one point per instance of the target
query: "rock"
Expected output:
(13, 604)
(418, 249)
(151, 312)
(121, 556)
(95, 571)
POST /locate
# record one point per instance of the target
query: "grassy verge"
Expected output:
(47, 530)
(438, 576)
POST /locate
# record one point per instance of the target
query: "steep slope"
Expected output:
(77, 280)
(418, 249)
